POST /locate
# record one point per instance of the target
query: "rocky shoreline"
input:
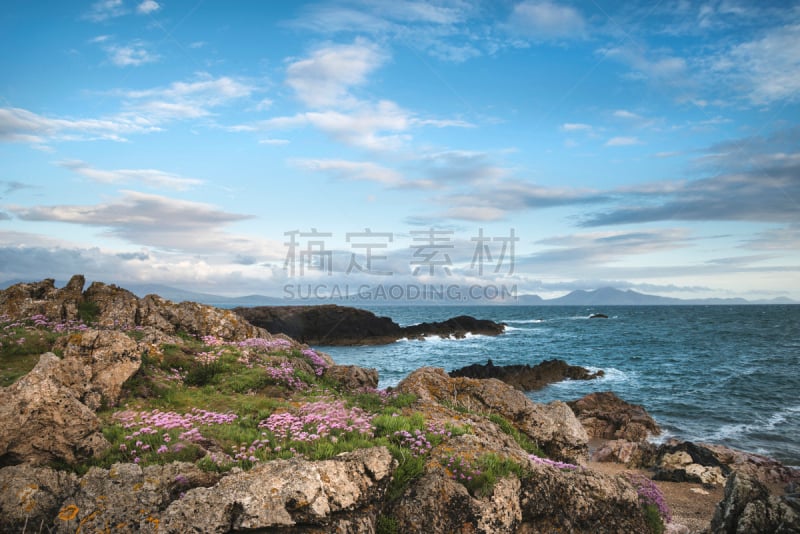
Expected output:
(141, 415)
(331, 324)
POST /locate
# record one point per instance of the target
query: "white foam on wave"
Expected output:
(524, 321)
(738, 430)
(611, 376)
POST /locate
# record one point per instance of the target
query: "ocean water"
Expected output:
(720, 374)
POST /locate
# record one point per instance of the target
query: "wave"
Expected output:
(523, 321)
(739, 430)
(611, 376)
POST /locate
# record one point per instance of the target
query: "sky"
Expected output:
(509, 147)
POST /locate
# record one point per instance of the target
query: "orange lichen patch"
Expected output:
(137, 486)
(68, 513)
(75, 338)
(154, 521)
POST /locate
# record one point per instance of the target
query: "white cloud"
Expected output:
(371, 126)
(147, 111)
(353, 170)
(623, 141)
(106, 9)
(575, 127)
(663, 68)
(147, 7)
(768, 69)
(21, 125)
(625, 114)
(326, 77)
(151, 220)
(151, 177)
(543, 20)
(131, 55)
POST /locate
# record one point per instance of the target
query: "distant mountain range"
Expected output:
(605, 296)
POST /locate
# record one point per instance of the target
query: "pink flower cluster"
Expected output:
(552, 463)
(285, 374)
(41, 321)
(317, 361)
(461, 470)
(317, 420)
(418, 442)
(650, 494)
(206, 358)
(266, 344)
(152, 432)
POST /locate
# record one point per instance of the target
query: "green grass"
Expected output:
(653, 519)
(522, 440)
(480, 476)
(88, 311)
(387, 525)
(20, 348)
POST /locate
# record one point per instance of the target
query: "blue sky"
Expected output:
(645, 145)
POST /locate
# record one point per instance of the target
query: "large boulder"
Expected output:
(127, 497)
(48, 414)
(30, 497)
(552, 426)
(748, 508)
(606, 416)
(352, 377)
(105, 359)
(545, 498)
(525, 377)
(289, 493)
(42, 418)
(25, 300)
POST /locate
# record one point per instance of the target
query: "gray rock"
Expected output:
(748, 508)
(288, 493)
(353, 378)
(42, 418)
(30, 497)
(553, 426)
(127, 497)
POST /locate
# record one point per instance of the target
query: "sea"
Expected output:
(727, 375)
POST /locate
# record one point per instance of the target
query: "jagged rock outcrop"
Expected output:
(553, 426)
(100, 361)
(127, 497)
(109, 306)
(42, 298)
(333, 495)
(30, 497)
(685, 461)
(331, 324)
(765, 469)
(525, 377)
(544, 499)
(49, 413)
(43, 419)
(605, 415)
(748, 508)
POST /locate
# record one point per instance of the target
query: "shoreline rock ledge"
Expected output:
(526, 377)
(331, 324)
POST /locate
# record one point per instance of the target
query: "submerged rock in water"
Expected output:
(525, 377)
